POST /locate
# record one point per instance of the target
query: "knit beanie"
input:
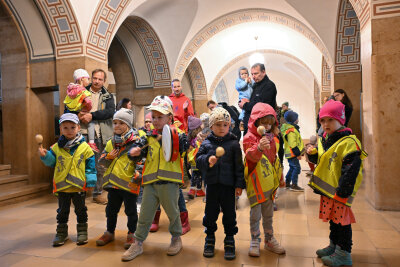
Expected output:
(205, 117)
(148, 117)
(193, 122)
(125, 115)
(80, 73)
(333, 109)
(291, 116)
(286, 104)
(219, 114)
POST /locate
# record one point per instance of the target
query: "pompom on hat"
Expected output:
(125, 115)
(333, 109)
(219, 114)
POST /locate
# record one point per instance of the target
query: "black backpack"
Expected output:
(234, 112)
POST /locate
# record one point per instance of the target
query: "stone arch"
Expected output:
(245, 16)
(362, 9)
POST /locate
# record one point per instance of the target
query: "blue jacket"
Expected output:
(245, 89)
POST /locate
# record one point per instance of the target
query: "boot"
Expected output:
(192, 193)
(338, 258)
(329, 250)
(254, 250)
(229, 246)
(185, 222)
(154, 226)
(61, 235)
(200, 193)
(209, 246)
(81, 229)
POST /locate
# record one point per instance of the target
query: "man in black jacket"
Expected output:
(264, 91)
(103, 109)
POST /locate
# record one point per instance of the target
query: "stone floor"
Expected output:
(27, 230)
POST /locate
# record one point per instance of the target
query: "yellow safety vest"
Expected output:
(157, 168)
(192, 156)
(70, 169)
(121, 171)
(328, 170)
(278, 164)
(300, 145)
(75, 104)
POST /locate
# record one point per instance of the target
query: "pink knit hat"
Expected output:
(333, 109)
(148, 117)
(193, 122)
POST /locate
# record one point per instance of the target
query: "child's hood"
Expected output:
(260, 110)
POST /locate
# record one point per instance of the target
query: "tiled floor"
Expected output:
(27, 230)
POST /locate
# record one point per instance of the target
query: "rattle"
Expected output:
(39, 140)
(261, 131)
(219, 152)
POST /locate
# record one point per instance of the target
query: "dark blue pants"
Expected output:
(220, 197)
(294, 170)
(196, 180)
(64, 205)
(115, 199)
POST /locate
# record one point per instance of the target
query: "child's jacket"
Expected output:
(229, 168)
(244, 89)
(293, 143)
(338, 173)
(78, 99)
(263, 170)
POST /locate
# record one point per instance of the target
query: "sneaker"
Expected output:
(273, 245)
(296, 188)
(200, 193)
(192, 193)
(329, 250)
(94, 147)
(106, 238)
(129, 240)
(338, 258)
(133, 251)
(254, 250)
(175, 246)
(287, 186)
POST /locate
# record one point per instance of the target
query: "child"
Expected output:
(312, 144)
(294, 148)
(224, 179)
(244, 86)
(195, 127)
(74, 173)
(205, 117)
(263, 174)
(336, 178)
(161, 180)
(78, 100)
(120, 178)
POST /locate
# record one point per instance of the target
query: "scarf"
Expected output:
(120, 141)
(63, 142)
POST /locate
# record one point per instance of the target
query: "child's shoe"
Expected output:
(209, 246)
(154, 226)
(288, 186)
(329, 250)
(296, 188)
(229, 246)
(81, 229)
(61, 235)
(133, 251)
(200, 193)
(254, 250)
(94, 147)
(175, 246)
(106, 238)
(192, 193)
(338, 258)
(273, 245)
(185, 222)
(129, 240)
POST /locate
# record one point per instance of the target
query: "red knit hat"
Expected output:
(333, 109)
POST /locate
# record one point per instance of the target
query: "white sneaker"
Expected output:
(175, 246)
(273, 245)
(133, 251)
(254, 250)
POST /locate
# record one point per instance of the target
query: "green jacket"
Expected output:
(293, 142)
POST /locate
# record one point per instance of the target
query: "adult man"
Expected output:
(264, 91)
(211, 104)
(181, 104)
(102, 111)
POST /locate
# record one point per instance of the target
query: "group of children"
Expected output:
(336, 178)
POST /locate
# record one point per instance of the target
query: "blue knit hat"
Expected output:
(291, 116)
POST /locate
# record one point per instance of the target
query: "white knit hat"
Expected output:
(79, 74)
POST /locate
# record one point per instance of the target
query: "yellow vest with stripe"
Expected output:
(121, 171)
(328, 170)
(191, 156)
(75, 104)
(156, 168)
(300, 145)
(70, 169)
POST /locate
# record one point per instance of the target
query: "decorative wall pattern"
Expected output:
(363, 11)
(103, 26)
(152, 49)
(385, 8)
(243, 16)
(63, 26)
(326, 76)
(196, 76)
(221, 92)
(347, 57)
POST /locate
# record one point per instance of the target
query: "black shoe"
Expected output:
(209, 246)
(296, 188)
(229, 246)
(287, 186)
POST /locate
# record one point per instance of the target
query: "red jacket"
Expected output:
(179, 113)
(252, 138)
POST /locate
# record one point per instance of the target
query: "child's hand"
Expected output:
(264, 143)
(134, 152)
(299, 157)
(309, 149)
(212, 160)
(238, 192)
(112, 154)
(282, 182)
(42, 151)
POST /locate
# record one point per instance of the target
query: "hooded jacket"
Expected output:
(252, 138)
(179, 113)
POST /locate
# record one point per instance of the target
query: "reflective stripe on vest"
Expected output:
(327, 187)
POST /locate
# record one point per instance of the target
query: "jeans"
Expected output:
(64, 205)
(294, 170)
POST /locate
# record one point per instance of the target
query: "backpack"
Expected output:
(234, 113)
